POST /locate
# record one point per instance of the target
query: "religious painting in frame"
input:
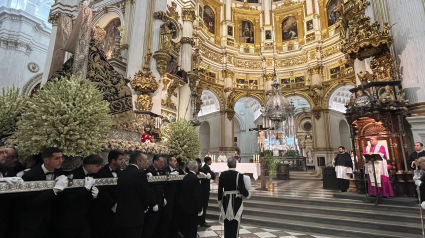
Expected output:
(209, 19)
(212, 77)
(333, 10)
(112, 32)
(230, 30)
(253, 83)
(289, 29)
(268, 34)
(246, 32)
(240, 81)
(286, 82)
(230, 42)
(300, 81)
(310, 25)
(335, 72)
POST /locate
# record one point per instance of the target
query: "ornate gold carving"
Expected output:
(187, 40)
(227, 89)
(160, 15)
(144, 102)
(228, 73)
(168, 103)
(193, 80)
(171, 12)
(230, 113)
(315, 70)
(330, 50)
(166, 36)
(98, 33)
(317, 112)
(54, 19)
(248, 64)
(383, 68)
(196, 60)
(188, 14)
(246, 6)
(387, 98)
(211, 55)
(162, 59)
(269, 76)
(315, 96)
(365, 77)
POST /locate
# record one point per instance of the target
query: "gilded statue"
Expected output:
(196, 59)
(387, 97)
(166, 36)
(144, 102)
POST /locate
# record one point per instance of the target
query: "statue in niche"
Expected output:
(387, 97)
(166, 36)
(196, 59)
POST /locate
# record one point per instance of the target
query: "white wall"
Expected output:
(338, 137)
(213, 120)
(247, 140)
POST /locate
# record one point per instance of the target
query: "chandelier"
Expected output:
(278, 109)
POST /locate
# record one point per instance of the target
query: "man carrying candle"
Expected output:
(382, 177)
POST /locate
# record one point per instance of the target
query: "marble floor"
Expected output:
(247, 231)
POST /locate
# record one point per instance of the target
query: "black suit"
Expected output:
(414, 156)
(157, 198)
(227, 182)
(133, 196)
(71, 210)
(101, 214)
(206, 187)
(192, 204)
(7, 204)
(167, 219)
(33, 213)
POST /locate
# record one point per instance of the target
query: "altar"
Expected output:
(250, 168)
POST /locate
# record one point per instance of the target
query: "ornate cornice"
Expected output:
(269, 76)
(188, 14)
(228, 73)
(14, 44)
(54, 18)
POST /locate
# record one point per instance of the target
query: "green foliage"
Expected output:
(183, 140)
(291, 153)
(272, 163)
(69, 114)
(12, 104)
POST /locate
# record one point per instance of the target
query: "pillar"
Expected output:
(55, 39)
(227, 126)
(188, 16)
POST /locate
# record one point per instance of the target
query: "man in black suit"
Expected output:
(103, 210)
(192, 201)
(72, 207)
(133, 196)
(206, 187)
(230, 188)
(168, 228)
(34, 211)
(157, 198)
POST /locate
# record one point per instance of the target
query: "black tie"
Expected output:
(49, 173)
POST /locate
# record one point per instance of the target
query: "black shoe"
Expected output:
(206, 225)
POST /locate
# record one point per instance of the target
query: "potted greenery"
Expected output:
(272, 165)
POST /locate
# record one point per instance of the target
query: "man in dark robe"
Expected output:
(103, 210)
(343, 166)
(206, 187)
(133, 196)
(231, 188)
(419, 152)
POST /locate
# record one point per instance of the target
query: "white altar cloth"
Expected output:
(251, 168)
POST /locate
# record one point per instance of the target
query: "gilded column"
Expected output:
(188, 16)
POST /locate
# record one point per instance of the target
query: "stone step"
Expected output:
(319, 228)
(340, 219)
(333, 203)
(336, 211)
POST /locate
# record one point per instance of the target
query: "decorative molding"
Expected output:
(187, 40)
(30, 85)
(33, 67)
(14, 44)
(188, 14)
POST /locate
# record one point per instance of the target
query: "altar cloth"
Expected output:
(251, 168)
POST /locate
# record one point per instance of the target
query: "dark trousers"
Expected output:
(164, 229)
(151, 220)
(6, 212)
(130, 232)
(231, 228)
(176, 222)
(103, 227)
(81, 231)
(343, 184)
(190, 227)
(205, 199)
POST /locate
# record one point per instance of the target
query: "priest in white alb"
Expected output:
(381, 170)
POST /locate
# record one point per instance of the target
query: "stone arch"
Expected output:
(210, 103)
(259, 98)
(301, 94)
(218, 94)
(31, 84)
(253, 104)
(240, 122)
(104, 17)
(333, 91)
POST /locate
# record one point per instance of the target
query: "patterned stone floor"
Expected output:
(246, 231)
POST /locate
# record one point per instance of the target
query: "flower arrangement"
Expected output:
(69, 114)
(12, 103)
(183, 140)
(128, 146)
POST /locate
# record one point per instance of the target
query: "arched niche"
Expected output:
(210, 103)
(204, 137)
(31, 85)
(104, 17)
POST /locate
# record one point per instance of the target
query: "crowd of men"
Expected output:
(133, 208)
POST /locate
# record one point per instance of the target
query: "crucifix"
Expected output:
(260, 129)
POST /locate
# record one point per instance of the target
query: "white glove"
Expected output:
(416, 177)
(175, 173)
(208, 176)
(149, 175)
(20, 174)
(12, 180)
(88, 183)
(165, 202)
(418, 182)
(423, 205)
(220, 204)
(94, 192)
(61, 182)
(155, 208)
(114, 208)
(201, 212)
(202, 175)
